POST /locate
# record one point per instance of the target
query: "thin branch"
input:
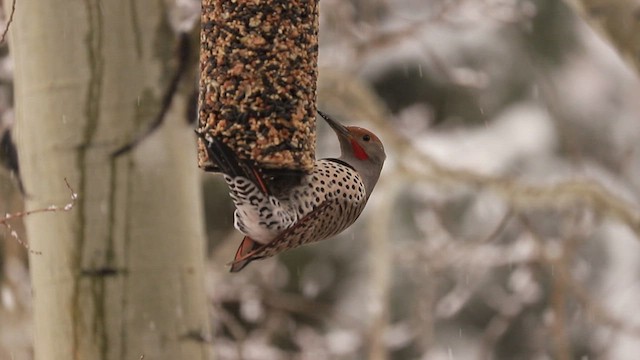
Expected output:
(502, 225)
(520, 195)
(51, 208)
(616, 21)
(6, 28)
(506, 315)
(600, 314)
(559, 328)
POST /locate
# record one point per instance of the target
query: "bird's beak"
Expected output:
(340, 130)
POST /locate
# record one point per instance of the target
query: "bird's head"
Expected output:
(361, 149)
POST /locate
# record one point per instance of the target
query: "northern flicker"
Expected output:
(321, 205)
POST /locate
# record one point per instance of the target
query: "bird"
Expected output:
(320, 205)
(9, 158)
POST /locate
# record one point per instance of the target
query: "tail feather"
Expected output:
(246, 246)
(229, 163)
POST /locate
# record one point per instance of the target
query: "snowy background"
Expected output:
(506, 222)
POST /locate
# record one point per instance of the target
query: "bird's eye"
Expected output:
(366, 137)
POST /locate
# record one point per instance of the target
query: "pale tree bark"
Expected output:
(121, 275)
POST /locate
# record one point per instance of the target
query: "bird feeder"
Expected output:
(258, 73)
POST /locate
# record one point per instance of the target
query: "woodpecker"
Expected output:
(322, 204)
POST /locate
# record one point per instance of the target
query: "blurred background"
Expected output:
(506, 222)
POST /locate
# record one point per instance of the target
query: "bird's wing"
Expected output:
(309, 229)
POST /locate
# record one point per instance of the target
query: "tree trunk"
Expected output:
(121, 275)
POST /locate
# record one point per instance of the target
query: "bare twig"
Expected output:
(578, 192)
(51, 208)
(508, 308)
(617, 21)
(502, 225)
(600, 314)
(561, 336)
(6, 28)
